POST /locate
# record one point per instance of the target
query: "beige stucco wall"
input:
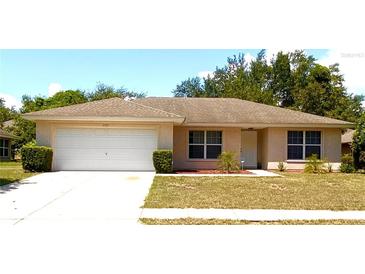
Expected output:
(45, 131)
(275, 144)
(231, 142)
(272, 142)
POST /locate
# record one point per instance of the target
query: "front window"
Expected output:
(205, 144)
(4, 148)
(303, 144)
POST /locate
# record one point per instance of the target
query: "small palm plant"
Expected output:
(314, 165)
(228, 162)
(281, 166)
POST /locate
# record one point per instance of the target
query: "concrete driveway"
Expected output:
(75, 196)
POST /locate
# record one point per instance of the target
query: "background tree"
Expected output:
(358, 143)
(23, 129)
(292, 80)
(103, 91)
(191, 87)
(281, 80)
(5, 112)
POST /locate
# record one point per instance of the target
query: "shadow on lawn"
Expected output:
(7, 185)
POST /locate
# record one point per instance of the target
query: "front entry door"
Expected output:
(249, 148)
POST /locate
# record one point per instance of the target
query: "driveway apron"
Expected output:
(75, 196)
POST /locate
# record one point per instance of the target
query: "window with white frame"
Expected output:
(205, 144)
(4, 148)
(303, 144)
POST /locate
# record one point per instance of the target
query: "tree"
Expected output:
(24, 130)
(259, 73)
(191, 87)
(358, 143)
(5, 112)
(103, 91)
(60, 99)
(292, 80)
(281, 80)
(66, 98)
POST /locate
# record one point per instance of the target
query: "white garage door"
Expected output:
(104, 149)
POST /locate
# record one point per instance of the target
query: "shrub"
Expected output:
(162, 161)
(314, 165)
(36, 158)
(228, 162)
(281, 166)
(347, 164)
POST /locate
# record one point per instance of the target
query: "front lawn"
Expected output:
(193, 221)
(334, 191)
(11, 171)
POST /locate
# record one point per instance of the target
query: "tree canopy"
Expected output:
(71, 97)
(292, 80)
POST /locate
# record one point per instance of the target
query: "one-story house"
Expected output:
(346, 141)
(5, 145)
(115, 134)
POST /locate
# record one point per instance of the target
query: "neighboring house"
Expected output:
(346, 141)
(5, 145)
(9, 123)
(115, 134)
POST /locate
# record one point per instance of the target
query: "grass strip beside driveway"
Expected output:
(333, 191)
(12, 171)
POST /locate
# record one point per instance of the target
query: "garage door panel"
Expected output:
(104, 149)
(95, 143)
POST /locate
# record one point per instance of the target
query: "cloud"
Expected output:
(10, 100)
(352, 66)
(248, 58)
(53, 88)
(205, 74)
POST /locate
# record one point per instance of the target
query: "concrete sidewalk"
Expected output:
(254, 173)
(250, 214)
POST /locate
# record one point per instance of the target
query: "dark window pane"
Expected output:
(213, 151)
(196, 152)
(196, 137)
(1, 152)
(214, 137)
(295, 152)
(310, 150)
(313, 137)
(6, 143)
(295, 137)
(6, 152)
(1, 142)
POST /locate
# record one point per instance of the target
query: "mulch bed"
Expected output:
(210, 171)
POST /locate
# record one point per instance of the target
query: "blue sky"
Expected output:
(155, 72)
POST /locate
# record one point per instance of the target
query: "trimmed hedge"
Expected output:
(162, 161)
(36, 158)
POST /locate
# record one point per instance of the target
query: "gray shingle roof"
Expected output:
(113, 107)
(347, 136)
(194, 110)
(230, 110)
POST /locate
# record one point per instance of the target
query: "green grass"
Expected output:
(11, 171)
(192, 221)
(332, 191)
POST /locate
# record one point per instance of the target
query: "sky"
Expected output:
(156, 72)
